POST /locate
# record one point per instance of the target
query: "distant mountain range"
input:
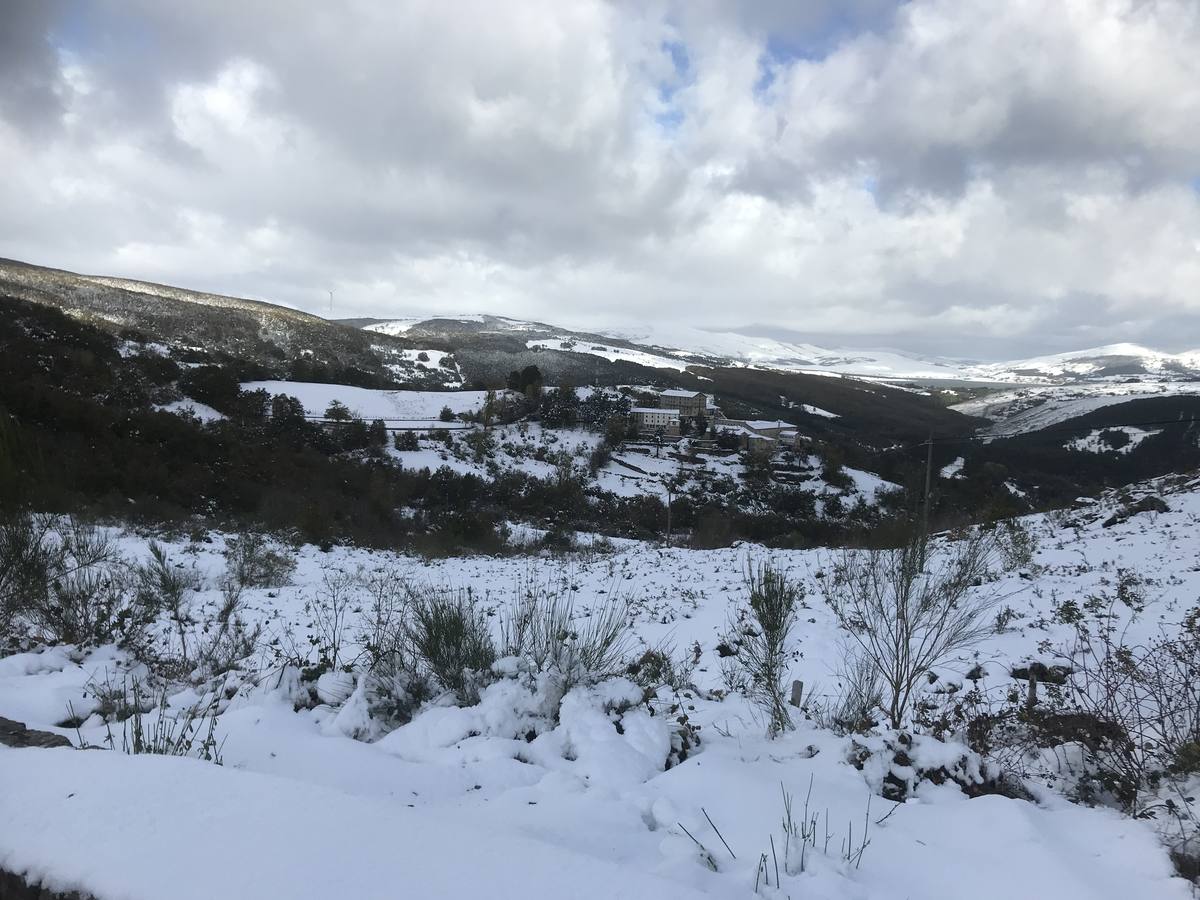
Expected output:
(678, 346)
(289, 343)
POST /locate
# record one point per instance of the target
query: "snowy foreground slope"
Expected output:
(461, 803)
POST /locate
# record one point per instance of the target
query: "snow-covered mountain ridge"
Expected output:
(678, 346)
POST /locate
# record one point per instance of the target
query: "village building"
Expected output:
(653, 420)
(762, 434)
(768, 428)
(748, 438)
(689, 403)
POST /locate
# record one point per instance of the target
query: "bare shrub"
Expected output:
(908, 610)
(855, 707)
(1017, 544)
(1145, 701)
(759, 639)
(1118, 725)
(252, 561)
(152, 728)
(227, 640)
(328, 614)
(382, 627)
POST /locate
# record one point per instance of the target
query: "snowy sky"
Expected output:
(971, 177)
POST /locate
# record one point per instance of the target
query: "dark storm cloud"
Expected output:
(29, 66)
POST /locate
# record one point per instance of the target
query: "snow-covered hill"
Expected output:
(677, 346)
(1113, 360)
(1029, 408)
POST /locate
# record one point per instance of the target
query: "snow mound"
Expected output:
(190, 830)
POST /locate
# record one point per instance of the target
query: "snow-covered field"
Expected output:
(461, 802)
(190, 407)
(419, 407)
(611, 353)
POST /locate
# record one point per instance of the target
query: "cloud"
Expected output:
(925, 172)
(29, 67)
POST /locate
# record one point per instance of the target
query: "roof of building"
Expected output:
(677, 392)
(743, 431)
(761, 424)
(655, 409)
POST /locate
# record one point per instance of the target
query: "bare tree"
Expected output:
(909, 609)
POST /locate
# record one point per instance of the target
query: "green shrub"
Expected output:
(253, 562)
(450, 636)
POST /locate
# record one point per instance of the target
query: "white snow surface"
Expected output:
(190, 407)
(421, 407)
(953, 469)
(458, 804)
(612, 354)
(197, 831)
(1094, 442)
(1031, 408)
(817, 411)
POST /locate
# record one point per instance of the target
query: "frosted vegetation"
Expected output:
(994, 712)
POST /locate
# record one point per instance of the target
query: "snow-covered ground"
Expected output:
(953, 469)
(190, 407)
(420, 408)
(1082, 363)
(529, 448)
(458, 803)
(675, 347)
(611, 353)
(1095, 441)
(1032, 408)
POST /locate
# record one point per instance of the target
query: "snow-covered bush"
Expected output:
(896, 763)
(62, 581)
(253, 562)
(163, 586)
(451, 638)
(602, 733)
(543, 628)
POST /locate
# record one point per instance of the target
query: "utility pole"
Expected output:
(669, 486)
(669, 499)
(331, 301)
(928, 488)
